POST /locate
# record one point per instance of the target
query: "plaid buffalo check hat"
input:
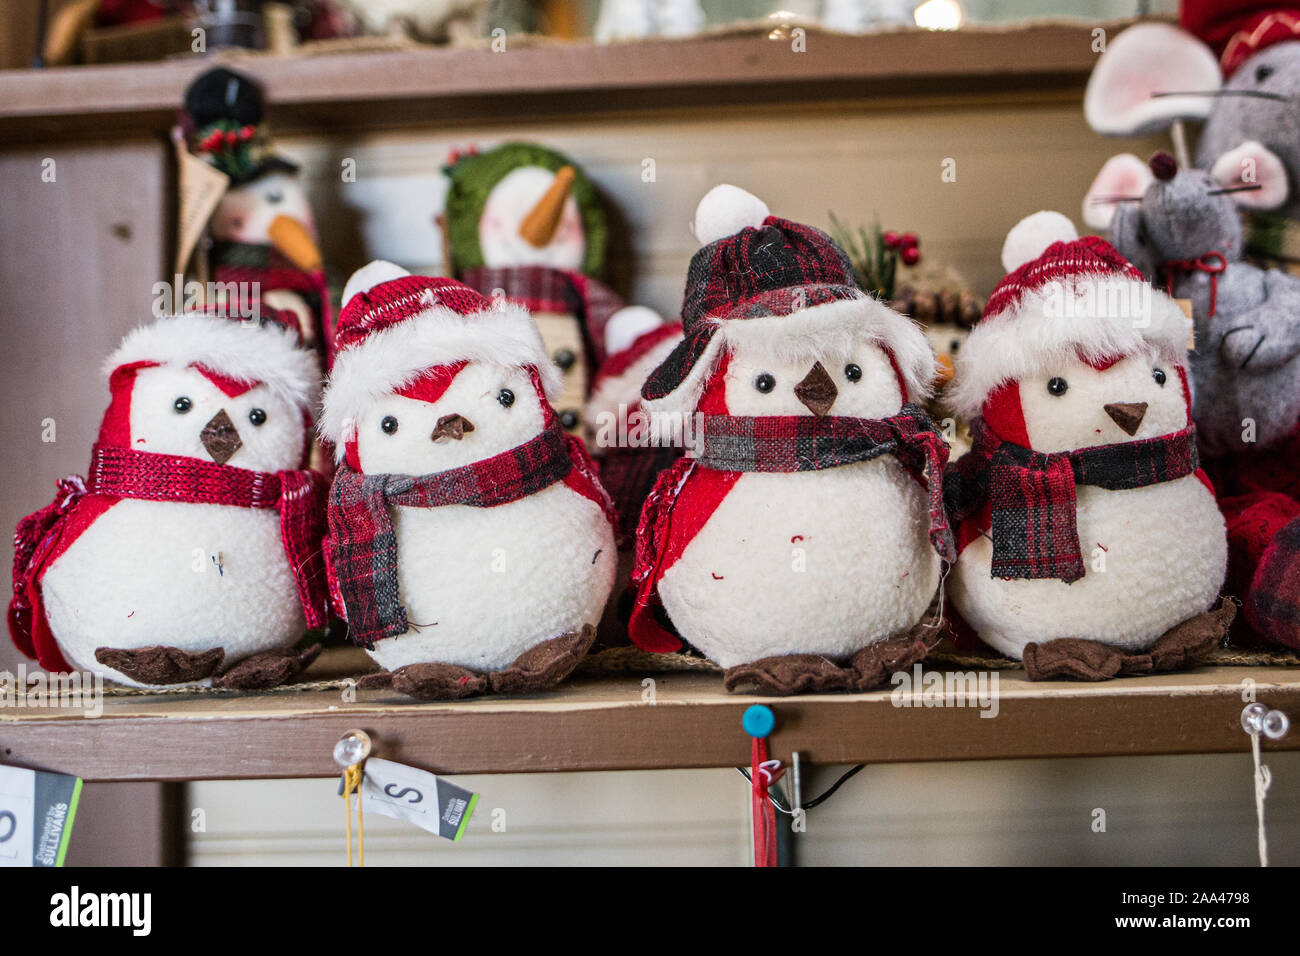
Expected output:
(394, 327)
(776, 284)
(1063, 297)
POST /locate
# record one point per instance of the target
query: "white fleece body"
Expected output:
(1165, 555)
(823, 562)
(483, 585)
(191, 576)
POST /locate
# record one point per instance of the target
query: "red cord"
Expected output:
(764, 813)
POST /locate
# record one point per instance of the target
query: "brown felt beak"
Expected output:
(817, 391)
(452, 426)
(538, 227)
(294, 240)
(220, 437)
(1127, 415)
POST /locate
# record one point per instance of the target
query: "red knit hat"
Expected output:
(1238, 29)
(1062, 298)
(395, 326)
(761, 277)
(228, 347)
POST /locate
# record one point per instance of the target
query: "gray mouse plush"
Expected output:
(1236, 67)
(1181, 227)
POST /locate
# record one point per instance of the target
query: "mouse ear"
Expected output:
(1122, 175)
(1253, 164)
(1144, 60)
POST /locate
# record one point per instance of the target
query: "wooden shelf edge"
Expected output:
(604, 724)
(670, 72)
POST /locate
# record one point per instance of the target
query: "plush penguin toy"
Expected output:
(800, 541)
(637, 340)
(471, 547)
(262, 230)
(525, 221)
(1090, 542)
(190, 554)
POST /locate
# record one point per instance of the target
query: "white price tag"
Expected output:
(36, 813)
(405, 793)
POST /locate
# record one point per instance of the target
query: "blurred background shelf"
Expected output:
(606, 723)
(394, 88)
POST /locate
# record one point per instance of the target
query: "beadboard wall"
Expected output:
(1164, 810)
(1006, 158)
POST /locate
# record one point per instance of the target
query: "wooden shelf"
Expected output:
(438, 84)
(604, 724)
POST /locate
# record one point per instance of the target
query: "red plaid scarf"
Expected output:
(364, 542)
(542, 289)
(788, 443)
(126, 473)
(1033, 495)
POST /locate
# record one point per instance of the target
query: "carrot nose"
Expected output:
(452, 426)
(1127, 415)
(944, 373)
(817, 390)
(294, 240)
(538, 227)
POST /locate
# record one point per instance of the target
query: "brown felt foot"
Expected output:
(791, 674)
(161, 665)
(1181, 646)
(875, 663)
(1072, 657)
(431, 681)
(269, 669)
(1192, 640)
(545, 665)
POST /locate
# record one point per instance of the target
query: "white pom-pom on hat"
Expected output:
(371, 275)
(724, 211)
(627, 325)
(1030, 237)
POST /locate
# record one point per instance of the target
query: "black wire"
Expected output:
(815, 801)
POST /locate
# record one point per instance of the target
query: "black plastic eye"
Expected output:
(764, 382)
(389, 425)
(1058, 386)
(569, 418)
(1262, 73)
(1159, 375)
(853, 372)
(257, 416)
(506, 397)
(274, 197)
(182, 405)
(564, 358)
(954, 346)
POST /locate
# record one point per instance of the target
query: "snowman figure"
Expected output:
(1090, 542)
(524, 222)
(471, 547)
(190, 554)
(262, 229)
(800, 542)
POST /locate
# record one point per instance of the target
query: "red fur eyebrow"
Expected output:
(432, 383)
(232, 387)
(1101, 364)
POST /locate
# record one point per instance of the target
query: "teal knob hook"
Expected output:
(758, 721)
